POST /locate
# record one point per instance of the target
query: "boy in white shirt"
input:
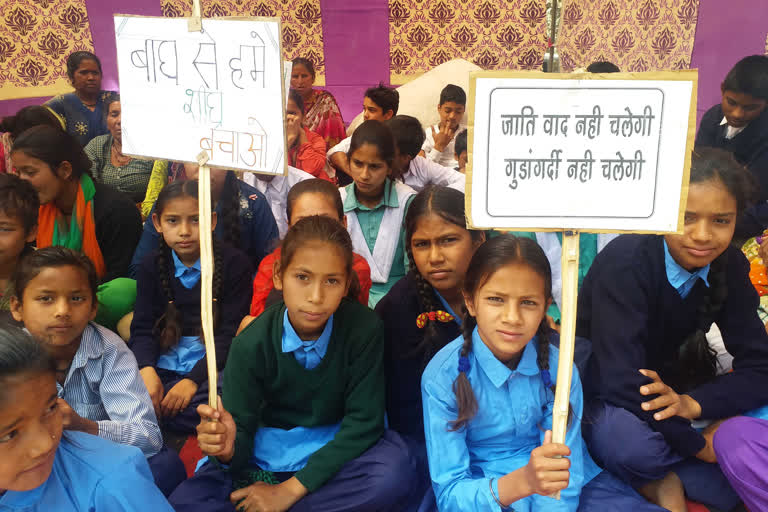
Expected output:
(440, 139)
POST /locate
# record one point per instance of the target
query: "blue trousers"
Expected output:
(167, 469)
(606, 493)
(423, 496)
(381, 479)
(629, 448)
(187, 420)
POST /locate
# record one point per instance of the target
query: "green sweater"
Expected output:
(264, 387)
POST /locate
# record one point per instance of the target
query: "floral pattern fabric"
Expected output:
(36, 37)
(301, 23)
(636, 35)
(494, 35)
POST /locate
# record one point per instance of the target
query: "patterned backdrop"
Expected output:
(636, 35)
(302, 25)
(36, 36)
(494, 34)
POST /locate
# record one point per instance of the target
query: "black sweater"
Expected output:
(234, 301)
(118, 229)
(636, 319)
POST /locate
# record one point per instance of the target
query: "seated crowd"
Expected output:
(374, 353)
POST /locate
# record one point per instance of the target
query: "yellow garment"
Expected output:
(157, 181)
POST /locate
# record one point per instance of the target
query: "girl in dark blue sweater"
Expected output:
(646, 304)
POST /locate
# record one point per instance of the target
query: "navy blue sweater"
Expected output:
(636, 319)
(234, 300)
(750, 147)
(402, 366)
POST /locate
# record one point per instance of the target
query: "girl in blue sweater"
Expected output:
(488, 399)
(646, 304)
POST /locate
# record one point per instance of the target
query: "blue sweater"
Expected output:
(234, 300)
(258, 231)
(636, 319)
(750, 147)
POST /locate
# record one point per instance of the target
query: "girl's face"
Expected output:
(87, 77)
(301, 79)
(55, 307)
(179, 225)
(369, 172)
(508, 308)
(313, 203)
(442, 251)
(313, 284)
(48, 184)
(293, 113)
(13, 238)
(710, 219)
(113, 120)
(30, 430)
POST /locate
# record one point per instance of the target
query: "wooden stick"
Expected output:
(570, 277)
(195, 22)
(206, 277)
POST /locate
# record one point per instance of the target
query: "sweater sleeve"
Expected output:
(143, 342)
(746, 340)
(263, 230)
(619, 311)
(707, 134)
(243, 391)
(91, 151)
(118, 229)
(363, 422)
(148, 242)
(363, 271)
(157, 180)
(262, 285)
(311, 156)
(233, 301)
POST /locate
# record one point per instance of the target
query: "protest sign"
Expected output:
(219, 90)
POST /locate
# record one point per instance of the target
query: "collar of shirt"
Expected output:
(680, 279)
(189, 276)
(731, 131)
(292, 342)
(456, 318)
(389, 199)
(498, 372)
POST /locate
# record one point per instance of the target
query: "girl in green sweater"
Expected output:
(303, 401)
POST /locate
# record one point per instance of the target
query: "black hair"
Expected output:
(386, 98)
(460, 145)
(168, 327)
(749, 76)
(491, 256)
(28, 117)
(453, 93)
(75, 59)
(377, 134)
(297, 99)
(301, 61)
(319, 228)
(230, 210)
(448, 204)
(53, 146)
(602, 66)
(696, 361)
(314, 186)
(408, 133)
(20, 353)
(35, 262)
(19, 199)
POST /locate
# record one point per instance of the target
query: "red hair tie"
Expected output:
(439, 315)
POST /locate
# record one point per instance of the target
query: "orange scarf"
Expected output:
(81, 236)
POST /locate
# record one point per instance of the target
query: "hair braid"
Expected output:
(465, 397)
(168, 326)
(429, 343)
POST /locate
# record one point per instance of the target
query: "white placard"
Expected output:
(590, 155)
(219, 90)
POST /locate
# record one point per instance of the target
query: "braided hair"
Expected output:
(448, 204)
(491, 256)
(168, 328)
(230, 210)
(696, 361)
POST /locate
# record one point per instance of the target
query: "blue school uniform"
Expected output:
(84, 479)
(514, 411)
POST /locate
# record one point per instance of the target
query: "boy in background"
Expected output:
(440, 141)
(460, 149)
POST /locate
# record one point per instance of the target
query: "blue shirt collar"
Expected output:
(292, 342)
(189, 276)
(498, 372)
(680, 279)
(456, 318)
